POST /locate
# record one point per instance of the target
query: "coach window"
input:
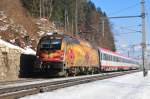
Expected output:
(112, 58)
(102, 57)
(115, 58)
(109, 57)
(106, 57)
(118, 59)
(127, 61)
(124, 60)
(121, 59)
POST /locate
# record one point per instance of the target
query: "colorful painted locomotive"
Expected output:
(64, 55)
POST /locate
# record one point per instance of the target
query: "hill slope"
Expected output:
(18, 25)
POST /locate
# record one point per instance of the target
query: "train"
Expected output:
(64, 55)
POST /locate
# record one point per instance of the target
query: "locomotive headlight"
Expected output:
(37, 56)
(62, 56)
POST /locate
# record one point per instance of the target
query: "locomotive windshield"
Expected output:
(50, 44)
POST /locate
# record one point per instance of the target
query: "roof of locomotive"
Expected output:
(62, 35)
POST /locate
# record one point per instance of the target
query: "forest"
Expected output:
(78, 18)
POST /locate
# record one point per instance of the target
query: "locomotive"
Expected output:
(63, 55)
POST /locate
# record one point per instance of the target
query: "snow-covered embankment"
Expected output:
(10, 59)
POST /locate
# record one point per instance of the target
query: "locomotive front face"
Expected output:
(50, 53)
(50, 50)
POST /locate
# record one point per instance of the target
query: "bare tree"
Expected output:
(51, 8)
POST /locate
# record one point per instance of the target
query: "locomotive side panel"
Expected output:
(79, 55)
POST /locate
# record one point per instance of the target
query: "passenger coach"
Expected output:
(112, 61)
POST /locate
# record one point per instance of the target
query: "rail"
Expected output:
(17, 90)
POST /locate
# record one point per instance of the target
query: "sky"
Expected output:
(126, 31)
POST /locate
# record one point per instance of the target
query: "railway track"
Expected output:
(21, 89)
(15, 81)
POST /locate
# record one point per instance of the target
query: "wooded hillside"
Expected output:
(63, 14)
(26, 18)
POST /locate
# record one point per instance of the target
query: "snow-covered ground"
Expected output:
(131, 86)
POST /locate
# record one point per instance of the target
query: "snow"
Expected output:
(27, 49)
(4, 28)
(7, 44)
(130, 86)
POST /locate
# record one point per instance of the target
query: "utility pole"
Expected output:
(144, 54)
(76, 18)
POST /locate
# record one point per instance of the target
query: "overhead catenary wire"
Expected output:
(124, 9)
(127, 28)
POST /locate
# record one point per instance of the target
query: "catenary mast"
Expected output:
(144, 54)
